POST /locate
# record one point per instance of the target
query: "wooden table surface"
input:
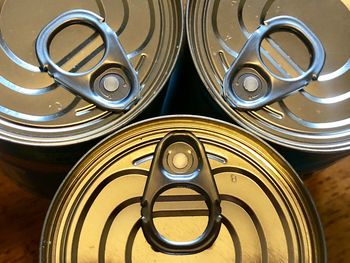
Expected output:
(22, 214)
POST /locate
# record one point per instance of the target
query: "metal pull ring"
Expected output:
(180, 161)
(249, 84)
(112, 84)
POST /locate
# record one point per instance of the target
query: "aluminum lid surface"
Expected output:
(34, 109)
(316, 119)
(267, 214)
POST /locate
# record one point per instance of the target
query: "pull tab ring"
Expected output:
(249, 84)
(180, 161)
(112, 84)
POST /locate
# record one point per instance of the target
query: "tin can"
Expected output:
(182, 189)
(280, 69)
(72, 72)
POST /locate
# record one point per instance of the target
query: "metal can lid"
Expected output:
(35, 110)
(266, 212)
(314, 119)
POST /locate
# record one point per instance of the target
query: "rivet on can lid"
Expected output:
(180, 160)
(251, 83)
(111, 83)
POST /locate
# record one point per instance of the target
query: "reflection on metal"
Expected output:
(266, 213)
(28, 111)
(346, 3)
(269, 87)
(315, 118)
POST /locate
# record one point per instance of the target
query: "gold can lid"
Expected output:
(253, 202)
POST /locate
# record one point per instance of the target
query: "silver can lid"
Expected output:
(314, 119)
(261, 208)
(36, 110)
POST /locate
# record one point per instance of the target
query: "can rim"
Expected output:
(311, 208)
(42, 141)
(337, 147)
